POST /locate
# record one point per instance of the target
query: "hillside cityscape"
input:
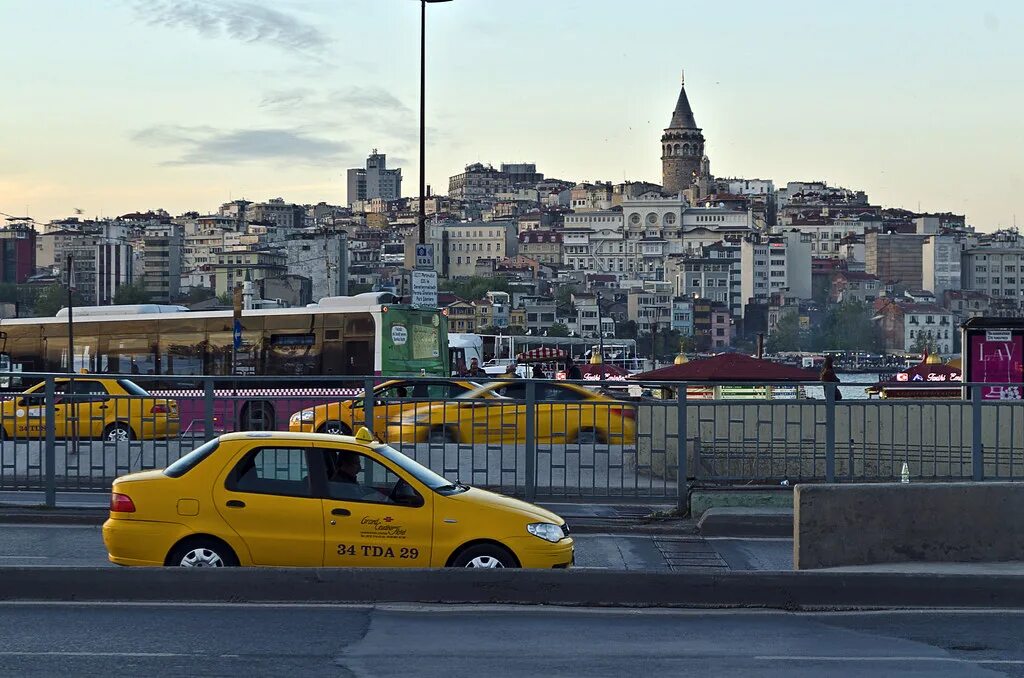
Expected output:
(697, 263)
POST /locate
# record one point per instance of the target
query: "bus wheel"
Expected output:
(258, 416)
(335, 428)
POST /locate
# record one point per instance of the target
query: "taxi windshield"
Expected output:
(421, 473)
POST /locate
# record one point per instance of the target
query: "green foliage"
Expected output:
(131, 294)
(359, 288)
(196, 294)
(625, 329)
(787, 335)
(558, 330)
(563, 297)
(848, 327)
(475, 287)
(665, 343)
(924, 344)
(54, 298)
(845, 327)
(687, 344)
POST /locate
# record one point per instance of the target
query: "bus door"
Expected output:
(358, 357)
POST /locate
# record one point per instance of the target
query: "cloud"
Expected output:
(244, 21)
(211, 146)
(358, 100)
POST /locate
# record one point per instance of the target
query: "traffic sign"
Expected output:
(425, 256)
(238, 335)
(424, 289)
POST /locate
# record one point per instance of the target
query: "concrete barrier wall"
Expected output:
(745, 440)
(867, 524)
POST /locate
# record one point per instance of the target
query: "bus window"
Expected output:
(294, 354)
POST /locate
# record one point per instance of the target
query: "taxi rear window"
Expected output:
(191, 460)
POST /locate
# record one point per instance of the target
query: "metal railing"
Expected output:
(539, 441)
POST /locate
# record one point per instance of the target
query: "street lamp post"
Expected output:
(423, 107)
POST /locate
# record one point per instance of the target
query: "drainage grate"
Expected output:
(690, 553)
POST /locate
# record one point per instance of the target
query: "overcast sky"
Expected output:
(116, 106)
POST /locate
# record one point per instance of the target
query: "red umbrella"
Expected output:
(541, 354)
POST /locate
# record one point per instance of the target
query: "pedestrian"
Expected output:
(828, 375)
(510, 372)
(538, 372)
(572, 370)
(474, 369)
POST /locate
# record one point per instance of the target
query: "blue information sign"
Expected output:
(238, 335)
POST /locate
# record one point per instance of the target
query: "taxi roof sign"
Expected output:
(363, 435)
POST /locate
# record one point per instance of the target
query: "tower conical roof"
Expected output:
(682, 116)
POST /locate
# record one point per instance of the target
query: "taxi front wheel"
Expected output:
(485, 555)
(202, 552)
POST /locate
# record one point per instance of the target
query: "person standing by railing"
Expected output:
(828, 375)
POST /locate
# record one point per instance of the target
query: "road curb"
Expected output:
(590, 588)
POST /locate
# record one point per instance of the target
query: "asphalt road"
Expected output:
(203, 640)
(82, 546)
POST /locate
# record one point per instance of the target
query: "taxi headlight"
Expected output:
(305, 416)
(546, 531)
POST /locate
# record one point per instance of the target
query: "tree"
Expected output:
(625, 329)
(558, 330)
(475, 287)
(924, 344)
(196, 294)
(787, 335)
(54, 298)
(131, 294)
(849, 327)
(563, 297)
(687, 344)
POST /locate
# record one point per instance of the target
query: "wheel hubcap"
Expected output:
(485, 561)
(202, 558)
(118, 435)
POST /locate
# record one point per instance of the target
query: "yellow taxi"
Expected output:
(389, 401)
(312, 500)
(496, 413)
(115, 410)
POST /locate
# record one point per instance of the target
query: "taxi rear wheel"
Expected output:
(336, 428)
(118, 432)
(202, 552)
(489, 556)
(590, 436)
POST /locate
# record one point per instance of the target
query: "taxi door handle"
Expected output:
(341, 512)
(102, 407)
(235, 503)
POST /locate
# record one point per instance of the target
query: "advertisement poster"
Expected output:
(997, 357)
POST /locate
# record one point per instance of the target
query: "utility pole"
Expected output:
(70, 266)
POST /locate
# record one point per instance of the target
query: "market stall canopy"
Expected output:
(603, 371)
(542, 354)
(930, 378)
(729, 367)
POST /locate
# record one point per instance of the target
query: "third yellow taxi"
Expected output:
(390, 399)
(311, 500)
(496, 413)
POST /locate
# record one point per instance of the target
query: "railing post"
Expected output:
(531, 442)
(683, 463)
(50, 446)
(367, 405)
(208, 425)
(977, 451)
(830, 432)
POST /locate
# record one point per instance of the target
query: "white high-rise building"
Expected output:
(375, 181)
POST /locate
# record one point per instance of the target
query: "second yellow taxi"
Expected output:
(496, 413)
(390, 399)
(311, 500)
